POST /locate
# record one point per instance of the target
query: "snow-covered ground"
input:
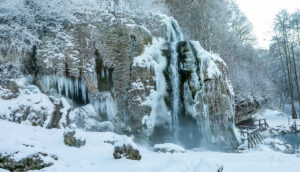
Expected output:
(97, 155)
(277, 118)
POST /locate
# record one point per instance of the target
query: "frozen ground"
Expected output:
(276, 118)
(97, 155)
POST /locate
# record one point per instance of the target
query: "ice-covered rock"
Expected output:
(192, 93)
(133, 71)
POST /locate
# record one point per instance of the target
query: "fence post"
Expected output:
(248, 138)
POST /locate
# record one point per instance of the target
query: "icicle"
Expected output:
(70, 88)
(102, 73)
(83, 92)
(106, 105)
(60, 85)
(107, 74)
(76, 91)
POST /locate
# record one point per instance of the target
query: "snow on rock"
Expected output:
(150, 56)
(208, 58)
(87, 118)
(35, 161)
(168, 147)
(247, 106)
(30, 107)
(23, 21)
(72, 138)
(126, 151)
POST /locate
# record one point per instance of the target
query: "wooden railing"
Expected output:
(253, 133)
(262, 124)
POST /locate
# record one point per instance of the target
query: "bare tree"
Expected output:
(285, 40)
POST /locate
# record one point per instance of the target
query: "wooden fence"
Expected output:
(253, 132)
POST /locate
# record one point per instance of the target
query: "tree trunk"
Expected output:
(289, 71)
(296, 75)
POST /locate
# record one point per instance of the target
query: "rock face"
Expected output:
(246, 106)
(136, 70)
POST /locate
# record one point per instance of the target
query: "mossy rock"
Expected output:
(32, 162)
(126, 151)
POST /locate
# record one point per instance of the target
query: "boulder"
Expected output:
(126, 151)
(247, 106)
(71, 139)
(31, 162)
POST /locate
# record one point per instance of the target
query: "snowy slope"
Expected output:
(97, 155)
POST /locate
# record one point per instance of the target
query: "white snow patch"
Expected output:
(138, 85)
(97, 154)
(208, 59)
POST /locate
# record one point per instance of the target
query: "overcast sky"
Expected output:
(261, 14)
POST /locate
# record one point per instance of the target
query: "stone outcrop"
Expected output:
(247, 106)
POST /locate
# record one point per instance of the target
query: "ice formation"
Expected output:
(76, 90)
(73, 89)
(188, 85)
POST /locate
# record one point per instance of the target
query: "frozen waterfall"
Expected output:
(174, 36)
(191, 105)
